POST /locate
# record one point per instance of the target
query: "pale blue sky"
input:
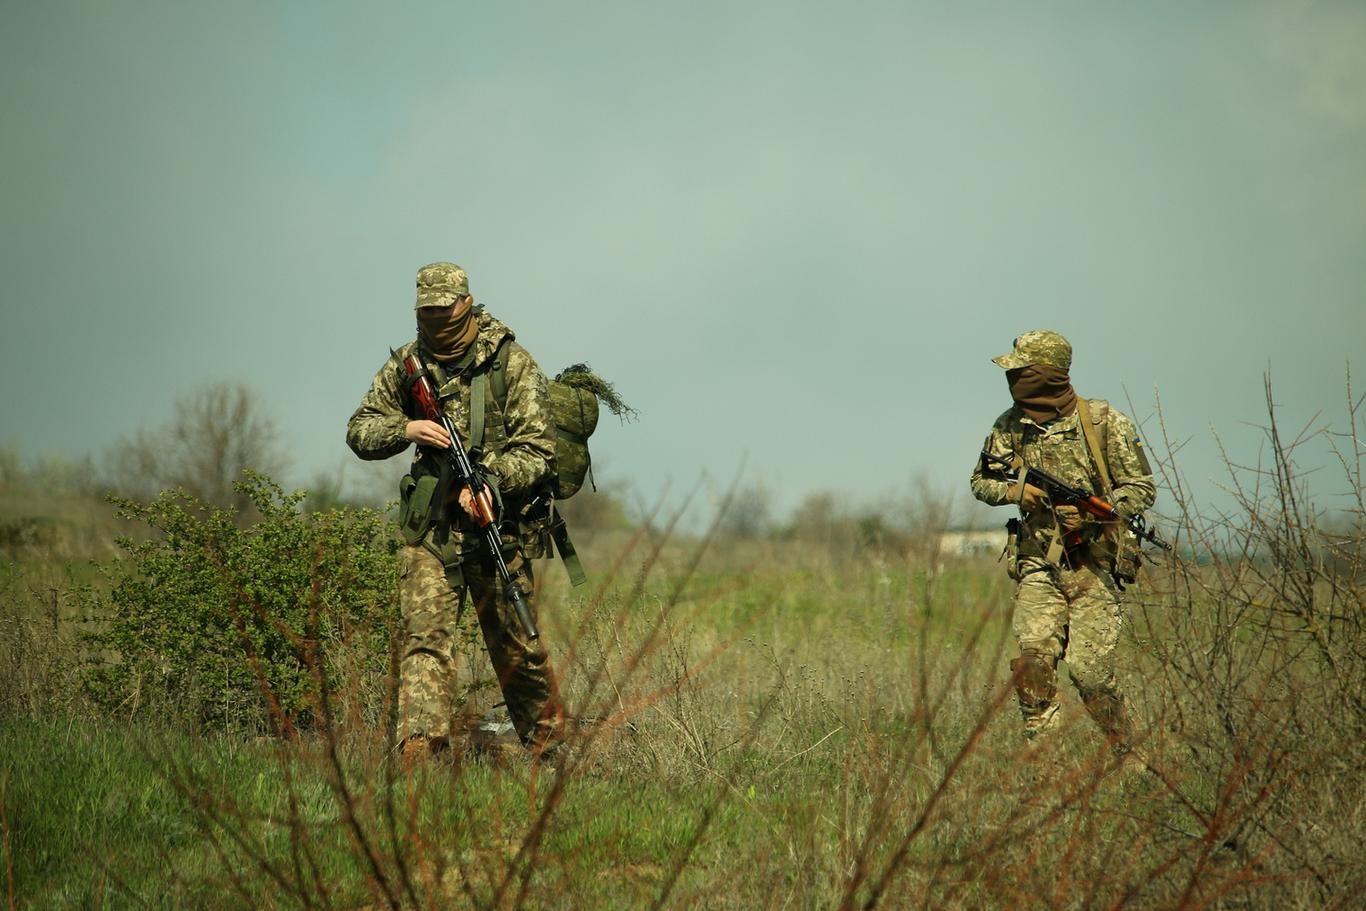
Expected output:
(793, 230)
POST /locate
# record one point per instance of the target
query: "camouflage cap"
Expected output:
(441, 284)
(1038, 346)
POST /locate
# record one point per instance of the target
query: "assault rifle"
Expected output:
(1062, 493)
(467, 473)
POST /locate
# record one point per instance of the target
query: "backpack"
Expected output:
(574, 404)
(574, 396)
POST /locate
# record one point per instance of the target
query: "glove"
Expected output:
(1069, 518)
(1124, 509)
(1034, 497)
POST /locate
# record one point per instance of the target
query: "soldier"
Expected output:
(1063, 564)
(445, 556)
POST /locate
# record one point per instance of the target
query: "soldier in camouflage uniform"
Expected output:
(446, 556)
(1065, 600)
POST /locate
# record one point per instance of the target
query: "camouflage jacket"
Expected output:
(519, 442)
(1059, 448)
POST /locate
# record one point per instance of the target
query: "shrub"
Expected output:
(209, 614)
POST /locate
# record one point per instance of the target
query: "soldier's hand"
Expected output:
(1034, 497)
(467, 503)
(427, 433)
(488, 512)
(1069, 518)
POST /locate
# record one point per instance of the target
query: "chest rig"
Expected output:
(530, 520)
(1085, 451)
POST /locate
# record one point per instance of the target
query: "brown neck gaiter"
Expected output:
(1045, 393)
(447, 332)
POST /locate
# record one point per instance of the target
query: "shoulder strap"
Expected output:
(1088, 430)
(500, 375)
(477, 409)
(1016, 446)
(478, 382)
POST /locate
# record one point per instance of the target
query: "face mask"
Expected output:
(1045, 393)
(448, 332)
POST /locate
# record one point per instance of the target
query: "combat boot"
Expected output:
(493, 738)
(419, 749)
(1043, 725)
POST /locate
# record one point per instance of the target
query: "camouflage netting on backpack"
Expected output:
(574, 397)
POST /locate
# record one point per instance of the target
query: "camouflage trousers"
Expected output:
(431, 676)
(1071, 613)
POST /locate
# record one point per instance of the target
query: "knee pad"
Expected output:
(1035, 679)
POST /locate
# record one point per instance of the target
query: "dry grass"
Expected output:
(767, 725)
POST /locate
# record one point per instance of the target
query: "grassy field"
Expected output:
(758, 723)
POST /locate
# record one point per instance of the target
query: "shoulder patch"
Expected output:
(1142, 452)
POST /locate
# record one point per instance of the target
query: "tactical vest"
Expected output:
(1109, 546)
(1095, 432)
(423, 517)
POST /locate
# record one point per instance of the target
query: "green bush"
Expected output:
(204, 618)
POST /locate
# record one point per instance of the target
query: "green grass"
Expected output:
(794, 722)
(82, 801)
(99, 819)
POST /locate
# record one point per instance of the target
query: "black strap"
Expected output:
(559, 533)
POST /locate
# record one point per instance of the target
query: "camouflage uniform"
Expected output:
(518, 449)
(1065, 600)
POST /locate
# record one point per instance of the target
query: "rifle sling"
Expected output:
(1088, 430)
